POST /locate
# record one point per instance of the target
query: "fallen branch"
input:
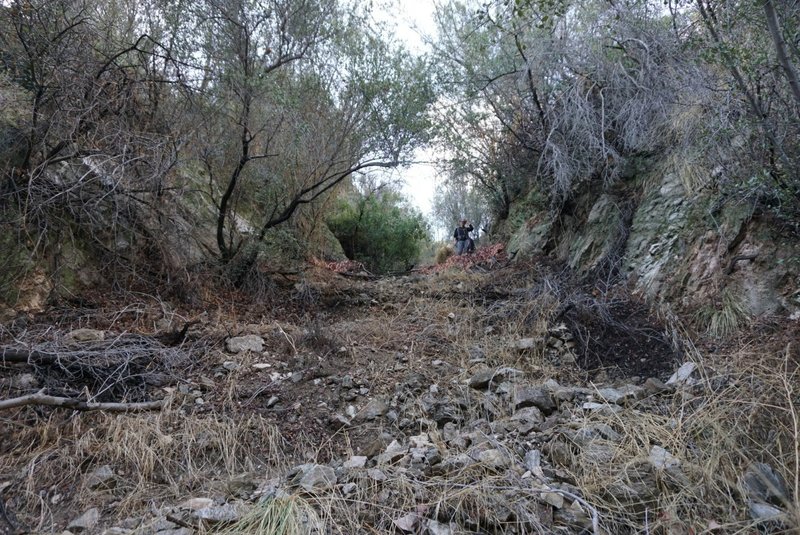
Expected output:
(26, 356)
(738, 258)
(75, 404)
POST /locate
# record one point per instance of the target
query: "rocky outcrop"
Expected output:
(693, 249)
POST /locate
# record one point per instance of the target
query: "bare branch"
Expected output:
(40, 398)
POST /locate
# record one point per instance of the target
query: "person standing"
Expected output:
(461, 236)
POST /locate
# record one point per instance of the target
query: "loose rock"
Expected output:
(86, 522)
(242, 344)
(316, 477)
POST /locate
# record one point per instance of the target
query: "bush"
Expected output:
(443, 253)
(380, 230)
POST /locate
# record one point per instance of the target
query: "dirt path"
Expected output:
(500, 399)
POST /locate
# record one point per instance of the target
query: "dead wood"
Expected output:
(738, 258)
(41, 398)
(27, 356)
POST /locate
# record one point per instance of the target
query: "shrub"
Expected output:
(380, 230)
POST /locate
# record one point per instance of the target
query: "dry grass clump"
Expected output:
(713, 431)
(443, 253)
(156, 457)
(289, 515)
(725, 318)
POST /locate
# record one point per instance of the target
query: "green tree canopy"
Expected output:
(376, 226)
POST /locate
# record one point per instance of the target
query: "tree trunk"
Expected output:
(780, 48)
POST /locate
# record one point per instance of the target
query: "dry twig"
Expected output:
(40, 398)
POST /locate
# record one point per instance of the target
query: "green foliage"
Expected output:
(379, 229)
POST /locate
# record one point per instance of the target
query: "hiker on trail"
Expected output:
(461, 236)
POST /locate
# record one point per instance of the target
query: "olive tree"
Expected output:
(312, 96)
(97, 92)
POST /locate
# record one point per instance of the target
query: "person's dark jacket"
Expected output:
(462, 233)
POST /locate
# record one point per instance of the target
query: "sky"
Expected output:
(411, 19)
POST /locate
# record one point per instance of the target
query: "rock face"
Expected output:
(674, 248)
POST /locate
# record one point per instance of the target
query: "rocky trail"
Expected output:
(496, 398)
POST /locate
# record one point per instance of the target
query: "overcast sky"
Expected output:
(411, 19)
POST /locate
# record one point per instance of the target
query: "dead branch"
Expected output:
(26, 356)
(738, 258)
(41, 398)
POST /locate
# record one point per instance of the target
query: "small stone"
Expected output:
(763, 511)
(534, 397)
(373, 410)
(199, 401)
(533, 460)
(262, 365)
(376, 475)
(407, 522)
(493, 458)
(272, 401)
(243, 344)
(610, 395)
(438, 528)
(437, 362)
(683, 374)
(82, 336)
(195, 504)
(296, 377)
(317, 477)
(86, 522)
(101, 478)
(553, 498)
(763, 484)
(217, 514)
(662, 459)
(230, 365)
(347, 381)
(349, 488)
(357, 461)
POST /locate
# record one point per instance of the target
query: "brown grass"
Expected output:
(164, 456)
